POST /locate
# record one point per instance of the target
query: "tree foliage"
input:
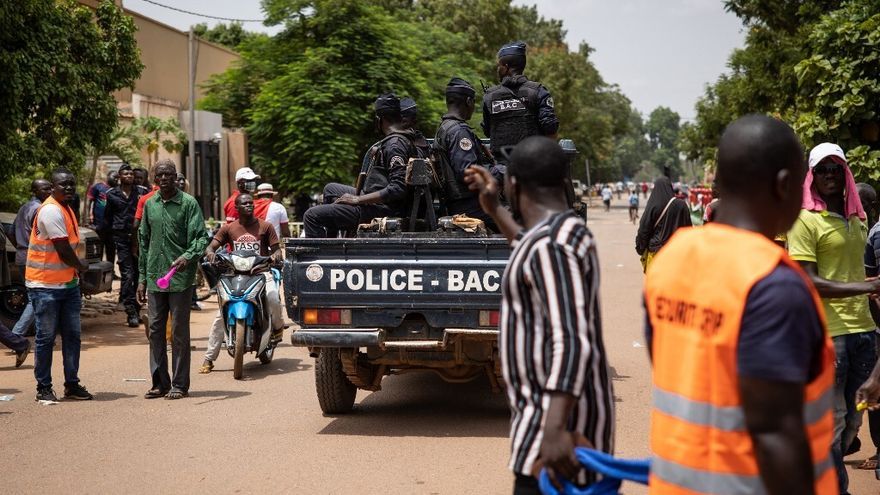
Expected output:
(814, 64)
(305, 95)
(61, 63)
(230, 35)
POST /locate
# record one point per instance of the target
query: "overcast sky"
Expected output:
(660, 52)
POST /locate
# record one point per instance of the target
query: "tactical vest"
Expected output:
(453, 190)
(513, 113)
(699, 439)
(377, 172)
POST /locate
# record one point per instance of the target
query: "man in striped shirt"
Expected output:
(552, 354)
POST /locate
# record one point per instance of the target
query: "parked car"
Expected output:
(98, 278)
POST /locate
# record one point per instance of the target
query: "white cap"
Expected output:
(265, 188)
(825, 150)
(245, 173)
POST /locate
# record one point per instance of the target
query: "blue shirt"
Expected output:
(779, 339)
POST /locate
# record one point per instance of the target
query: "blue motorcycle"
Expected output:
(241, 293)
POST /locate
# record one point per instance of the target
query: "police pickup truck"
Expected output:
(394, 299)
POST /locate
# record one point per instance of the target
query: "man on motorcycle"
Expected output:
(247, 233)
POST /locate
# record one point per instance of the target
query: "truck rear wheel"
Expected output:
(335, 393)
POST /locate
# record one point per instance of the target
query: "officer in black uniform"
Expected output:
(517, 108)
(456, 148)
(384, 191)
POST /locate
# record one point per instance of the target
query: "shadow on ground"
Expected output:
(422, 404)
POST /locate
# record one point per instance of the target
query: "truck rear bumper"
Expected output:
(335, 337)
(373, 337)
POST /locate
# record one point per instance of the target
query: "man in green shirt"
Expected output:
(828, 240)
(171, 235)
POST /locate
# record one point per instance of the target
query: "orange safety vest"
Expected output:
(44, 265)
(698, 434)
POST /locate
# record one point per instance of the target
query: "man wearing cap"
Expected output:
(828, 240)
(384, 192)
(266, 208)
(457, 148)
(517, 108)
(246, 180)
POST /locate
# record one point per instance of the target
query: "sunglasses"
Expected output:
(827, 169)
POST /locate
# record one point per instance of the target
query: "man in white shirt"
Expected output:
(265, 208)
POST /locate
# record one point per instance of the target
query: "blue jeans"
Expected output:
(856, 355)
(26, 319)
(57, 312)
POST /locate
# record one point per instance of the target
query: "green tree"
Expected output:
(230, 35)
(663, 128)
(61, 63)
(813, 64)
(154, 133)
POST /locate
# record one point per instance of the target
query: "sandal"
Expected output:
(869, 464)
(176, 394)
(206, 367)
(155, 393)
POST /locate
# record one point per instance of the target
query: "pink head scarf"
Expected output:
(813, 202)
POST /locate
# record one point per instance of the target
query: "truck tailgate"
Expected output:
(427, 273)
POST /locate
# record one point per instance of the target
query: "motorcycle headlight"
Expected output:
(243, 264)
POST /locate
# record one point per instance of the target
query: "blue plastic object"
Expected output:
(240, 310)
(614, 472)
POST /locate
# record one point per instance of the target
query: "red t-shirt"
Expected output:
(139, 211)
(229, 207)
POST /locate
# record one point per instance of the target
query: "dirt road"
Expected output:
(266, 434)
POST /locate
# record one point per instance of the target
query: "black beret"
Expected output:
(460, 86)
(408, 107)
(387, 103)
(513, 48)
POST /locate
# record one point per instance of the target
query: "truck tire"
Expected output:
(238, 357)
(335, 393)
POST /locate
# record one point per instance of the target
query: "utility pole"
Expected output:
(191, 130)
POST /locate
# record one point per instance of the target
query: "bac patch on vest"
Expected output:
(465, 144)
(688, 314)
(502, 106)
(397, 161)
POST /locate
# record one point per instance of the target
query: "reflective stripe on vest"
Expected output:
(699, 438)
(719, 483)
(728, 418)
(44, 264)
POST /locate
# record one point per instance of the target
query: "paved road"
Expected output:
(419, 435)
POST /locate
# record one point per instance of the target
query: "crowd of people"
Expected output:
(763, 360)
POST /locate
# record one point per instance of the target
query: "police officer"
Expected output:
(517, 108)
(456, 148)
(383, 192)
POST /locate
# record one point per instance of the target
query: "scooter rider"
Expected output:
(247, 233)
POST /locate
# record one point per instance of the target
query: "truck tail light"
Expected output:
(327, 317)
(489, 318)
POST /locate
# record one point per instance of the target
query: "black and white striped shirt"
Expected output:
(551, 336)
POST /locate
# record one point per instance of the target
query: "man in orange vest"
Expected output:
(743, 364)
(53, 286)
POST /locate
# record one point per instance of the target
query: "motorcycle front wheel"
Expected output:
(239, 350)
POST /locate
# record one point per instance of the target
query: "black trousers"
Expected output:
(15, 342)
(177, 304)
(526, 485)
(106, 237)
(328, 219)
(128, 270)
